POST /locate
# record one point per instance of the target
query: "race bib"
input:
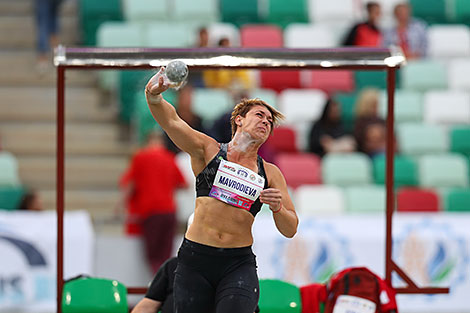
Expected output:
(351, 304)
(236, 185)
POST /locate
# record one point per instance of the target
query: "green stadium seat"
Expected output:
(209, 104)
(457, 200)
(10, 197)
(405, 171)
(418, 139)
(346, 169)
(460, 140)
(462, 11)
(117, 34)
(369, 198)
(277, 296)
(202, 11)
(348, 108)
(375, 79)
(267, 95)
(239, 12)
(94, 295)
(170, 35)
(432, 11)
(8, 170)
(130, 82)
(146, 10)
(93, 13)
(282, 13)
(423, 75)
(444, 170)
(408, 106)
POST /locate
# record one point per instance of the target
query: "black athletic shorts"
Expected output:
(219, 280)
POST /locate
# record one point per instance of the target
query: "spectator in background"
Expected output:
(149, 184)
(367, 33)
(369, 128)
(328, 134)
(409, 33)
(31, 201)
(236, 81)
(195, 76)
(47, 28)
(185, 111)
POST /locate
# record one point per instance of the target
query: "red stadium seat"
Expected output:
(300, 169)
(330, 81)
(417, 200)
(269, 36)
(283, 140)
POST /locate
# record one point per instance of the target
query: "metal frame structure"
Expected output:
(381, 59)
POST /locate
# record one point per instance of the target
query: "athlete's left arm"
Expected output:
(279, 201)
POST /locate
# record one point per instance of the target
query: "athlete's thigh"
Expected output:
(192, 292)
(238, 292)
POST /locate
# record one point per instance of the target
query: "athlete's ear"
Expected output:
(238, 121)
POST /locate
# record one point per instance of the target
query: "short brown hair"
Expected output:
(246, 104)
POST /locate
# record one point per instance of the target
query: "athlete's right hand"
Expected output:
(156, 84)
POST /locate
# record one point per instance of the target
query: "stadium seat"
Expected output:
(309, 36)
(93, 13)
(346, 169)
(94, 295)
(170, 35)
(422, 75)
(348, 108)
(457, 200)
(10, 197)
(408, 106)
(269, 36)
(267, 95)
(368, 198)
(419, 139)
(209, 104)
(201, 11)
(219, 30)
(283, 140)
(117, 34)
(329, 81)
(131, 82)
(282, 13)
(299, 169)
(417, 200)
(311, 200)
(332, 11)
(446, 107)
(459, 140)
(239, 12)
(309, 104)
(444, 170)
(458, 74)
(405, 171)
(365, 79)
(8, 169)
(432, 11)
(146, 10)
(277, 296)
(462, 11)
(449, 41)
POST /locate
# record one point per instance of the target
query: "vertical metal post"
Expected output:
(60, 183)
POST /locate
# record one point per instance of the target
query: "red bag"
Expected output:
(357, 289)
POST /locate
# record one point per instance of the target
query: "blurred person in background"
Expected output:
(409, 33)
(367, 33)
(149, 185)
(47, 29)
(328, 133)
(195, 78)
(31, 201)
(369, 128)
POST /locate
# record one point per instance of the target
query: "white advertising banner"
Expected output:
(433, 249)
(28, 258)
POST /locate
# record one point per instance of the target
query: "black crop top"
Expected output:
(206, 178)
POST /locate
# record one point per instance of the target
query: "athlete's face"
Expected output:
(257, 122)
